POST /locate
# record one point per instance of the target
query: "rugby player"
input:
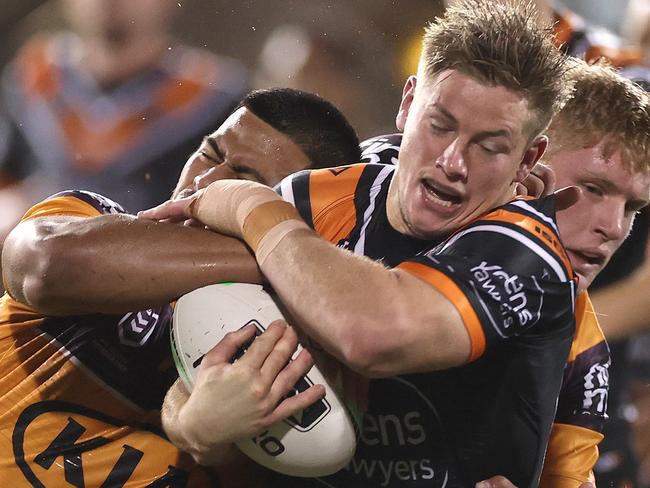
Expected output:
(83, 331)
(599, 141)
(490, 309)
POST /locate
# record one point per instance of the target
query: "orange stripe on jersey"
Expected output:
(588, 332)
(455, 295)
(331, 194)
(571, 454)
(65, 205)
(535, 227)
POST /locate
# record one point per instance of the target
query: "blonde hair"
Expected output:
(503, 44)
(605, 107)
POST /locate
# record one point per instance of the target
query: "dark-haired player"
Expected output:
(83, 330)
(467, 338)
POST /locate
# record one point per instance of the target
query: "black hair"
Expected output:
(313, 123)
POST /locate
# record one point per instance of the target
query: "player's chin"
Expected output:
(585, 279)
(432, 226)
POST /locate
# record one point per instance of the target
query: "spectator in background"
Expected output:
(112, 105)
(332, 52)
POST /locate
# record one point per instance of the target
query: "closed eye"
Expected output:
(439, 129)
(593, 189)
(209, 157)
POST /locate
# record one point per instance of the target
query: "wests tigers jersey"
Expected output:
(513, 286)
(582, 409)
(79, 395)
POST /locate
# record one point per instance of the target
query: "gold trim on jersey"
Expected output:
(570, 456)
(63, 205)
(588, 331)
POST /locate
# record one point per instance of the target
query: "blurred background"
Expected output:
(113, 95)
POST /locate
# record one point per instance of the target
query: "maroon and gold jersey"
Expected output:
(582, 407)
(80, 395)
(512, 284)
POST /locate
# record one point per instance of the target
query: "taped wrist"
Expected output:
(267, 224)
(224, 205)
(248, 210)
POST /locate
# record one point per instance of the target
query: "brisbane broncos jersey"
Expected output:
(512, 284)
(582, 409)
(80, 395)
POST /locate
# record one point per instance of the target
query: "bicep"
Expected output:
(432, 333)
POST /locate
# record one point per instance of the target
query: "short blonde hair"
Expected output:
(605, 107)
(503, 44)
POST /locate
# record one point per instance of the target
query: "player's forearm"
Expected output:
(622, 308)
(369, 317)
(379, 322)
(115, 263)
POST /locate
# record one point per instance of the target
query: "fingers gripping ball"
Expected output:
(318, 441)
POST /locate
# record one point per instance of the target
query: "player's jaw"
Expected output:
(587, 262)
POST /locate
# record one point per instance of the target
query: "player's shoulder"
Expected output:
(531, 218)
(336, 182)
(75, 203)
(334, 193)
(521, 234)
(382, 149)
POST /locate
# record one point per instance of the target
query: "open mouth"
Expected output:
(444, 197)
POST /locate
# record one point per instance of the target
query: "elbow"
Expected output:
(31, 257)
(372, 350)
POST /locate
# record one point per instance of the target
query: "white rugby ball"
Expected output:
(319, 441)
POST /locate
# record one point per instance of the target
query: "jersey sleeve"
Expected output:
(506, 274)
(582, 406)
(325, 198)
(77, 203)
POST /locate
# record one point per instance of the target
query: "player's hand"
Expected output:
(567, 197)
(233, 401)
(177, 210)
(539, 183)
(495, 482)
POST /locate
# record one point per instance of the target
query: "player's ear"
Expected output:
(405, 105)
(531, 156)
